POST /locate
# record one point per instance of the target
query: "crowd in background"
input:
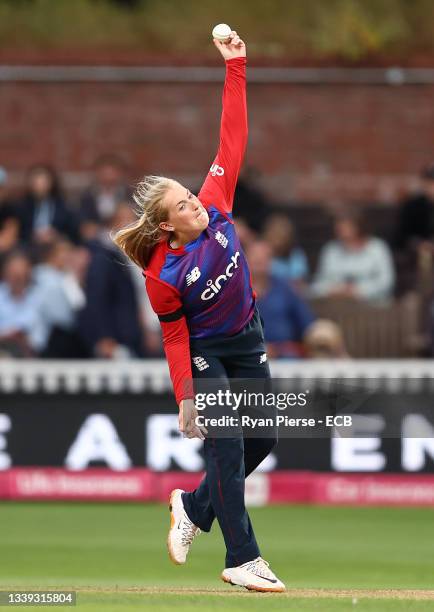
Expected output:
(67, 292)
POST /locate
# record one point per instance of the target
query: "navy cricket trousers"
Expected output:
(228, 461)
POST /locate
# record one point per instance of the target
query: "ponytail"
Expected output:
(139, 238)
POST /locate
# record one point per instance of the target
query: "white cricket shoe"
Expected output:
(254, 575)
(182, 531)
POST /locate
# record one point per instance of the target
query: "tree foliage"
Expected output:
(285, 29)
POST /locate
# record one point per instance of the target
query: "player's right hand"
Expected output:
(233, 47)
(187, 420)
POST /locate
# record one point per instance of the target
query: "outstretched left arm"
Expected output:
(219, 186)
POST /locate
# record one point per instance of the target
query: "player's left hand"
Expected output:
(187, 420)
(234, 47)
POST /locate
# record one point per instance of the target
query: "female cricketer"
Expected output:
(198, 283)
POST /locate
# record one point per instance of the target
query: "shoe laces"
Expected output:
(259, 567)
(189, 531)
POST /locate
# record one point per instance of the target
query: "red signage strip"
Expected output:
(141, 484)
(86, 485)
(378, 490)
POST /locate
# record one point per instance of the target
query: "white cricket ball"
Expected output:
(222, 32)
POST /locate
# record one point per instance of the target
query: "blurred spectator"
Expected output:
(6, 206)
(289, 261)
(44, 212)
(60, 298)
(9, 219)
(249, 202)
(149, 320)
(99, 202)
(355, 265)
(413, 240)
(21, 326)
(415, 223)
(324, 340)
(109, 324)
(244, 233)
(286, 316)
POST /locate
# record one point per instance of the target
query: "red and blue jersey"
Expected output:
(211, 278)
(203, 288)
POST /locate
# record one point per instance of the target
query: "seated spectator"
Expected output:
(99, 202)
(7, 208)
(415, 224)
(355, 264)
(324, 340)
(289, 261)
(109, 324)
(60, 298)
(286, 315)
(413, 239)
(44, 213)
(9, 219)
(148, 319)
(21, 327)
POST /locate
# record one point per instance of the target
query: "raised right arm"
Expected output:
(219, 186)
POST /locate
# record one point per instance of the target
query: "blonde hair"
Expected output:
(139, 238)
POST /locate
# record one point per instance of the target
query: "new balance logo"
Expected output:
(221, 239)
(263, 358)
(192, 276)
(200, 363)
(216, 170)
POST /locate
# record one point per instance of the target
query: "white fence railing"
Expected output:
(136, 376)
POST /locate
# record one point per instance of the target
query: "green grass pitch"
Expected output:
(114, 555)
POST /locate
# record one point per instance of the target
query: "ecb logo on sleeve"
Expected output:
(216, 170)
(221, 239)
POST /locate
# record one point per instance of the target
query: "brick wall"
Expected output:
(311, 142)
